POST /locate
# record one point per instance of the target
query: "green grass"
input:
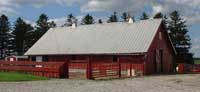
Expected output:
(197, 61)
(14, 77)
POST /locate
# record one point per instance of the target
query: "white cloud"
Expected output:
(189, 8)
(114, 5)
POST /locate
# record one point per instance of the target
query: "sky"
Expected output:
(57, 10)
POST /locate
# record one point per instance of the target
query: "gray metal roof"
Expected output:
(108, 38)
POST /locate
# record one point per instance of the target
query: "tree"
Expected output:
(5, 37)
(181, 41)
(69, 20)
(22, 32)
(41, 28)
(100, 21)
(144, 16)
(52, 24)
(113, 18)
(125, 16)
(88, 19)
(158, 15)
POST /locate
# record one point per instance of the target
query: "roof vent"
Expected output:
(130, 20)
(74, 22)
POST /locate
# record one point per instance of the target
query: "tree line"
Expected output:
(18, 39)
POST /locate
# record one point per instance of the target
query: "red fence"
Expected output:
(130, 69)
(46, 69)
(105, 70)
(97, 70)
(115, 70)
(188, 68)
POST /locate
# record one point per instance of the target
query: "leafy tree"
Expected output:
(5, 37)
(180, 39)
(88, 19)
(22, 32)
(113, 18)
(144, 16)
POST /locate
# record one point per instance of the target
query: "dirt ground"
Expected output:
(164, 83)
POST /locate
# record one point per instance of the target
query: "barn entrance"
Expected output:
(78, 67)
(159, 61)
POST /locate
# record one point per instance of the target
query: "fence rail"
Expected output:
(45, 69)
(116, 70)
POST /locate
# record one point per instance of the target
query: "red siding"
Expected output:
(168, 53)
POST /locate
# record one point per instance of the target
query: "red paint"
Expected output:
(153, 53)
(46, 69)
(147, 63)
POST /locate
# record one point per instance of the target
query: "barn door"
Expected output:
(159, 61)
(77, 67)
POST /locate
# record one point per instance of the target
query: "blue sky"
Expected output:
(57, 10)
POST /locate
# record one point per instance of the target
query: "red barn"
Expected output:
(146, 42)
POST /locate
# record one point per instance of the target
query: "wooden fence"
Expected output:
(115, 70)
(45, 69)
(95, 70)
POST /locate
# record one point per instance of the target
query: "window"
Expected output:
(45, 58)
(33, 58)
(160, 35)
(115, 58)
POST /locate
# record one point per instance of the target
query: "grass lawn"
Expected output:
(13, 76)
(197, 61)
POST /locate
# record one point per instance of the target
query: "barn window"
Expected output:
(115, 58)
(45, 58)
(33, 58)
(160, 35)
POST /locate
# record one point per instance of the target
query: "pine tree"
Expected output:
(52, 24)
(178, 33)
(113, 18)
(5, 37)
(69, 20)
(100, 21)
(88, 19)
(41, 28)
(158, 15)
(22, 32)
(144, 16)
(125, 17)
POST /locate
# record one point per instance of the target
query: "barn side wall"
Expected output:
(99, 58)
(160, 42)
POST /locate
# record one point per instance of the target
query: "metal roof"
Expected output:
(108, 38)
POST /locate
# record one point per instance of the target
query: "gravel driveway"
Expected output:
(167, 83)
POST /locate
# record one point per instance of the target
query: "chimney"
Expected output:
(130, 20)
(74, 22)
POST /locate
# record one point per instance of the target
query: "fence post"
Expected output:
(130, 70)
(89, 69)
(119, 65)
(67, 69)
